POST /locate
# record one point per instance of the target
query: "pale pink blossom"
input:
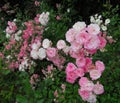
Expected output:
(70, 35)
(88, 86)
(11, 28)
(93, 29)
(83, 81)
(80, 62)
(61, 44)
(92, 43)
(84, 94)
(92, 98)
(75, 46)
(79, 26)
(51, 52)
(100, 66)
(82, 37)
(98, 88)
(95, 74)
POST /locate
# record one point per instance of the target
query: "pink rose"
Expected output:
(84, 94)
(75, 46)
(83, 81)
(80, 62)
(70, 80)
(95, 74)
(92, 43)
(98, 88)
(92, 98)
(61, 44)
(82, 37)
(70, 35)
(88, 86)
(51, 52)
(71, 77)
(79, 72)
(70, 67)
(102, 42)
(93, 29)
(100, 66)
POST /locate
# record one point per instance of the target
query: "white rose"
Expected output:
(44, 18)
(41, 53)
(46, 43)
(34, 54)
(35, 46)
(78, 26)
(61, 44)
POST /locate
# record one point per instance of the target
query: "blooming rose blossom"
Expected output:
(41, 53)
(79, 72)
(66, 50)
(61, 44)
(51, 52)
(92, 98)
(79, 26)
(95, 74)
(93, 43)
(44, 18)
(70, 67)
(35, 46)
(75, 46)
(83, 81)
(34, 54)
(93, 29)
(100, 66)
(70, 35)
(98, 88)
(82, 37)
(11, 28)
(80, 62)
(46, 43)
(89, 86)
(71, 77)
(84, 94)
(102, 42)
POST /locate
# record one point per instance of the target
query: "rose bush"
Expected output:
(55, 63)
